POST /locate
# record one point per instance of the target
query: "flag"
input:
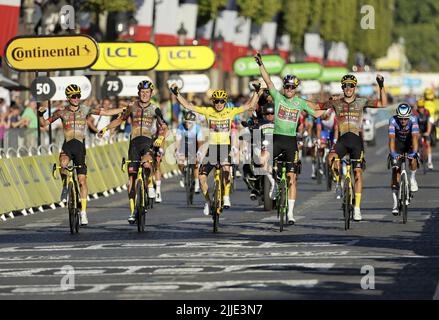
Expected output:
(9, 14)
(165, 24)
(225, 27)
(314, 48)
(204, 33)
(144, 18)
(187, 18)
(263, 37)
(242, 37)
(283, 46)
(338, 55)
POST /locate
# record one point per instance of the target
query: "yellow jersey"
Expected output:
(433, 108)
(219, 123)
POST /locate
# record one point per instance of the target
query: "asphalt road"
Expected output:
(180, 258)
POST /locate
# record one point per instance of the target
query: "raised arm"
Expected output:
(382, 102)
(183, 102)
(45, 122)
(251, 104)
(263, 71)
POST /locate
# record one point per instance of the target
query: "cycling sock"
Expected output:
(158, 183)
(430, 158)
(413, 174)
(395, 198)
(150, 182)
(357, 200)
(131, 206)
(207, 196)
(271, 179)
(84, 205)
(291, 204)
(64, 180)
(227, 189)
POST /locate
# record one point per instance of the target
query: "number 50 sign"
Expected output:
(53, 88)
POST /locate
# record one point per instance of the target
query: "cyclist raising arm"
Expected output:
(288, 108)
(145, 119)
(219, 120)
(349, 115)
(74, 120)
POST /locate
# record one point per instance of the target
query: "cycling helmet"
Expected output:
(72, 89)
(220, 94)
(404, 111)
(421, 103)
(291, 80)
(190, 116)
(349, 78)
(145, 84)
(429, 94)
(268, 109)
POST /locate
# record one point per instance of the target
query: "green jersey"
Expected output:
(287, 113)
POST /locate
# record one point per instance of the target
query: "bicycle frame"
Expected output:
(217, 203)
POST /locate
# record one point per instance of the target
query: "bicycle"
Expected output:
(348, 191)
(216, 207)
(318, 162)
(404, 193)
(141, 196)
(282, 190)
(72, 196)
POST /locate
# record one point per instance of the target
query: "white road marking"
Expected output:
(201, 220)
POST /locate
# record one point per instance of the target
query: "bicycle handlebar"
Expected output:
(55, 168)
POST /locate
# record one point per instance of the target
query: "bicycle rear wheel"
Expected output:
(319, 168)
(140, 206)
(347, 203)
(189, 184)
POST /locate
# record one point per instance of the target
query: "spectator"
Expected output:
(5, 123)
(31, 124)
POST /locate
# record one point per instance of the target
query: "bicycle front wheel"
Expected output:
(71, 206)
(140, 206)
(404, 199)
(282, 207)
(216, 206)
(347, 203)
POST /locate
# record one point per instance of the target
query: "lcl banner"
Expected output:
(126, 56)
(185, 58)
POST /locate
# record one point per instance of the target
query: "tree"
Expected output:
(259, 12)
(208, 10)
(295, 18)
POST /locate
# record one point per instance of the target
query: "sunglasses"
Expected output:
(75, 96)
(289, 87)
(219, 101)
(348, 85)
(270, 114)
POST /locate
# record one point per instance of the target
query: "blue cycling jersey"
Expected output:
(403, 133)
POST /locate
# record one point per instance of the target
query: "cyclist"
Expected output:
(287, 113)
(403, 138)
(349, 115)
(146, 121)
(219, 119)
(432, 105)
(74, 120)
(189, 138)
(426, 123)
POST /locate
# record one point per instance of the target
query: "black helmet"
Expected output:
(268, 109)
(72, 89)
(291, 80)
(349, 78)
(190, 116)
(145, 84)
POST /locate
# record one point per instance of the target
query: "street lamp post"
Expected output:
(182, 34)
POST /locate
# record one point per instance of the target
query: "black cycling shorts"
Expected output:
(351, 144)
(217, 153)
(139, 147)
(288, 146)
(76, 152)
(402, 147)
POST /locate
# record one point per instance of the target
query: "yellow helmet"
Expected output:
(429, 94)
(72, 89)
(220, 94)
(421, 103)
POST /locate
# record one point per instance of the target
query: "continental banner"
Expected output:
(45, 53)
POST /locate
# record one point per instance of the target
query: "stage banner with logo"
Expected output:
(47, 53)
(126, 56)
(185, 58)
